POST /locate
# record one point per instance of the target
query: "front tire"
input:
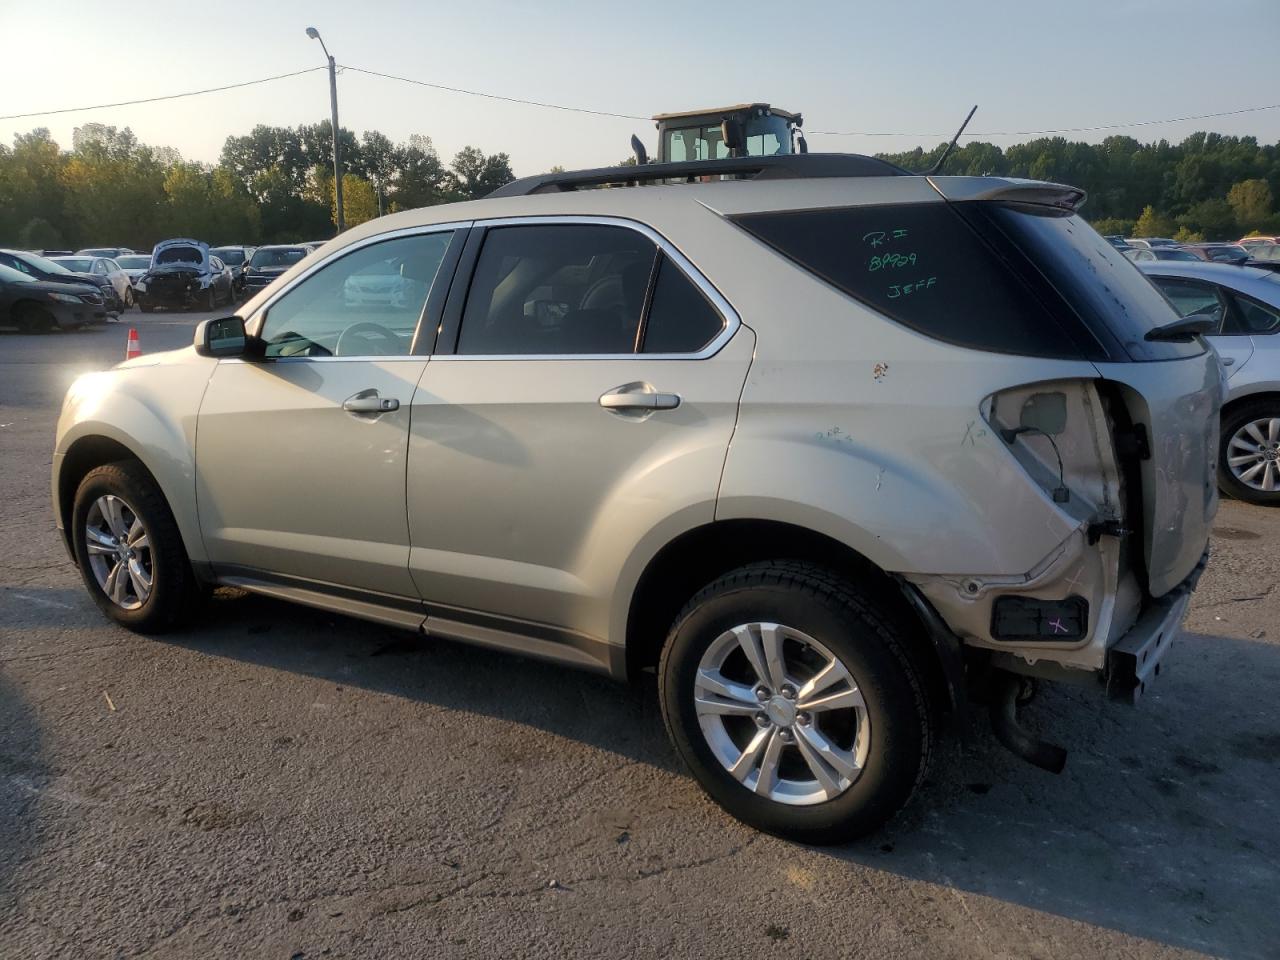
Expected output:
(1249, 453)
(32, 318)
(129, 550)
(793, 702)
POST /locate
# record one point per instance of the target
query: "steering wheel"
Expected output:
(368, 332)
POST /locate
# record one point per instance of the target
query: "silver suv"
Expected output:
(835, 450)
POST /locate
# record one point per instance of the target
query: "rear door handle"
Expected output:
(639, 400)
(368, 401)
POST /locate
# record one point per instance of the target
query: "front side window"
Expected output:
(365, 303)
(100, 267)
(557, 289)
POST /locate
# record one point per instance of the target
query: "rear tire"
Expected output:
(881, 749)
(1258, 460)
(172, 585)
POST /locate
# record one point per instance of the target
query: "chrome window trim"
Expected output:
(729, 315)
(253, 321)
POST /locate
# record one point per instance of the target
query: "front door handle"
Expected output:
(639, 400)
(368, 401)
(1227, 361)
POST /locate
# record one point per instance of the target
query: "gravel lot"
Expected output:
(276, 782)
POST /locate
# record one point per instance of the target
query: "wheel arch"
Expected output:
(1263, 392)
(699, 555)
(86, 453)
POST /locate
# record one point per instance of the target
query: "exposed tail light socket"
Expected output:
(1028, 619)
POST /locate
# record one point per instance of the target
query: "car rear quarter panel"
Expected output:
(150, 408)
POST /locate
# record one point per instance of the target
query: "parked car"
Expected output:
(36, 306)
(43, 268)
(1148, 254)
(135, 265)
(822, 448)
(111, 253)
(1264, 256)
(1244, 306)
(1149, 242)
(184, 274)
(117, 288)
(1218, 252)
(237, 259)
(1258, 240)
(269, 262)
(1117, 241)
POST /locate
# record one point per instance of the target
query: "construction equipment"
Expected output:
(722, 133)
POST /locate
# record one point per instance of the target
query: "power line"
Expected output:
(492, 96)
(1039, 133)
(171, 96)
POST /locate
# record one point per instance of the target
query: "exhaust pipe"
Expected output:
(1005, 687)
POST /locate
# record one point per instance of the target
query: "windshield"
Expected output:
(182, 254)
(1168, 253)
(76, 264)
(134, 263)
(232, 256)
(277, 257)
(764, 137)
(10, 275)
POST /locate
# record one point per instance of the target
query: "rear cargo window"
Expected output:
(925, 267)
(1110, 296)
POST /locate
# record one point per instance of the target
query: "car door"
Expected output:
(582, 396)
(300, 456)
(1188, 296)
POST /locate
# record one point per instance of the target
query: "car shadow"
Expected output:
(24, 779)
(1162, 827)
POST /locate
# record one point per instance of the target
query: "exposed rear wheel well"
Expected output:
(81, 457)
(695, 559)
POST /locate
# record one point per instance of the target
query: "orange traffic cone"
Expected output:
(132, 348)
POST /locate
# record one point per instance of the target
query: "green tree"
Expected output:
(39, 234)
(1114, 226)
(476, 175)
(1213, 218)
(1152, 224)
(359, 201)
(1251, 202)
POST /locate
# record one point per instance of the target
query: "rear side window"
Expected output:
(557, 289)
(681, 319)
(923, 266)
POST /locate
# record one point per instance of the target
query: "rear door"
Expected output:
(583, 393)
(300, 456)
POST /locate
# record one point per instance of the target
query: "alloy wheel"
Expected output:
(119, 550)
(782, 714)
(1253, 454)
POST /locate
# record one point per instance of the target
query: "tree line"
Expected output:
(275, 184)
(1208, 187)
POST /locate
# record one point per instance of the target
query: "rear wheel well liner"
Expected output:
(698, 556)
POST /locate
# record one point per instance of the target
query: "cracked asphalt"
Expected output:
(275, 782)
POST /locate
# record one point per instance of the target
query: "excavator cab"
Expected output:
(744, 130)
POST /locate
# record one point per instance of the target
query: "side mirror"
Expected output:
(731, 133)
(224, 337)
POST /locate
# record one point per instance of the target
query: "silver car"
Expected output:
(1243, 304)
(825, 446)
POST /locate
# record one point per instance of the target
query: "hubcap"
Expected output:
(1253, 454)
(119, 552)
(782, 714)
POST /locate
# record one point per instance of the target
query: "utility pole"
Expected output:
(314, 34)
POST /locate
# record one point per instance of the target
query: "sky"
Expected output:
(906, 67)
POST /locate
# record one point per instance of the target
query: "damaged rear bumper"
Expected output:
(1134, 660)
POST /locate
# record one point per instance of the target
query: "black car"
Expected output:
(184, 274)
(237, 259)
(38, 305)
(45, 269)
(267, 263)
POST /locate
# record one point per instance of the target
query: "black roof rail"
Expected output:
(792, 166)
